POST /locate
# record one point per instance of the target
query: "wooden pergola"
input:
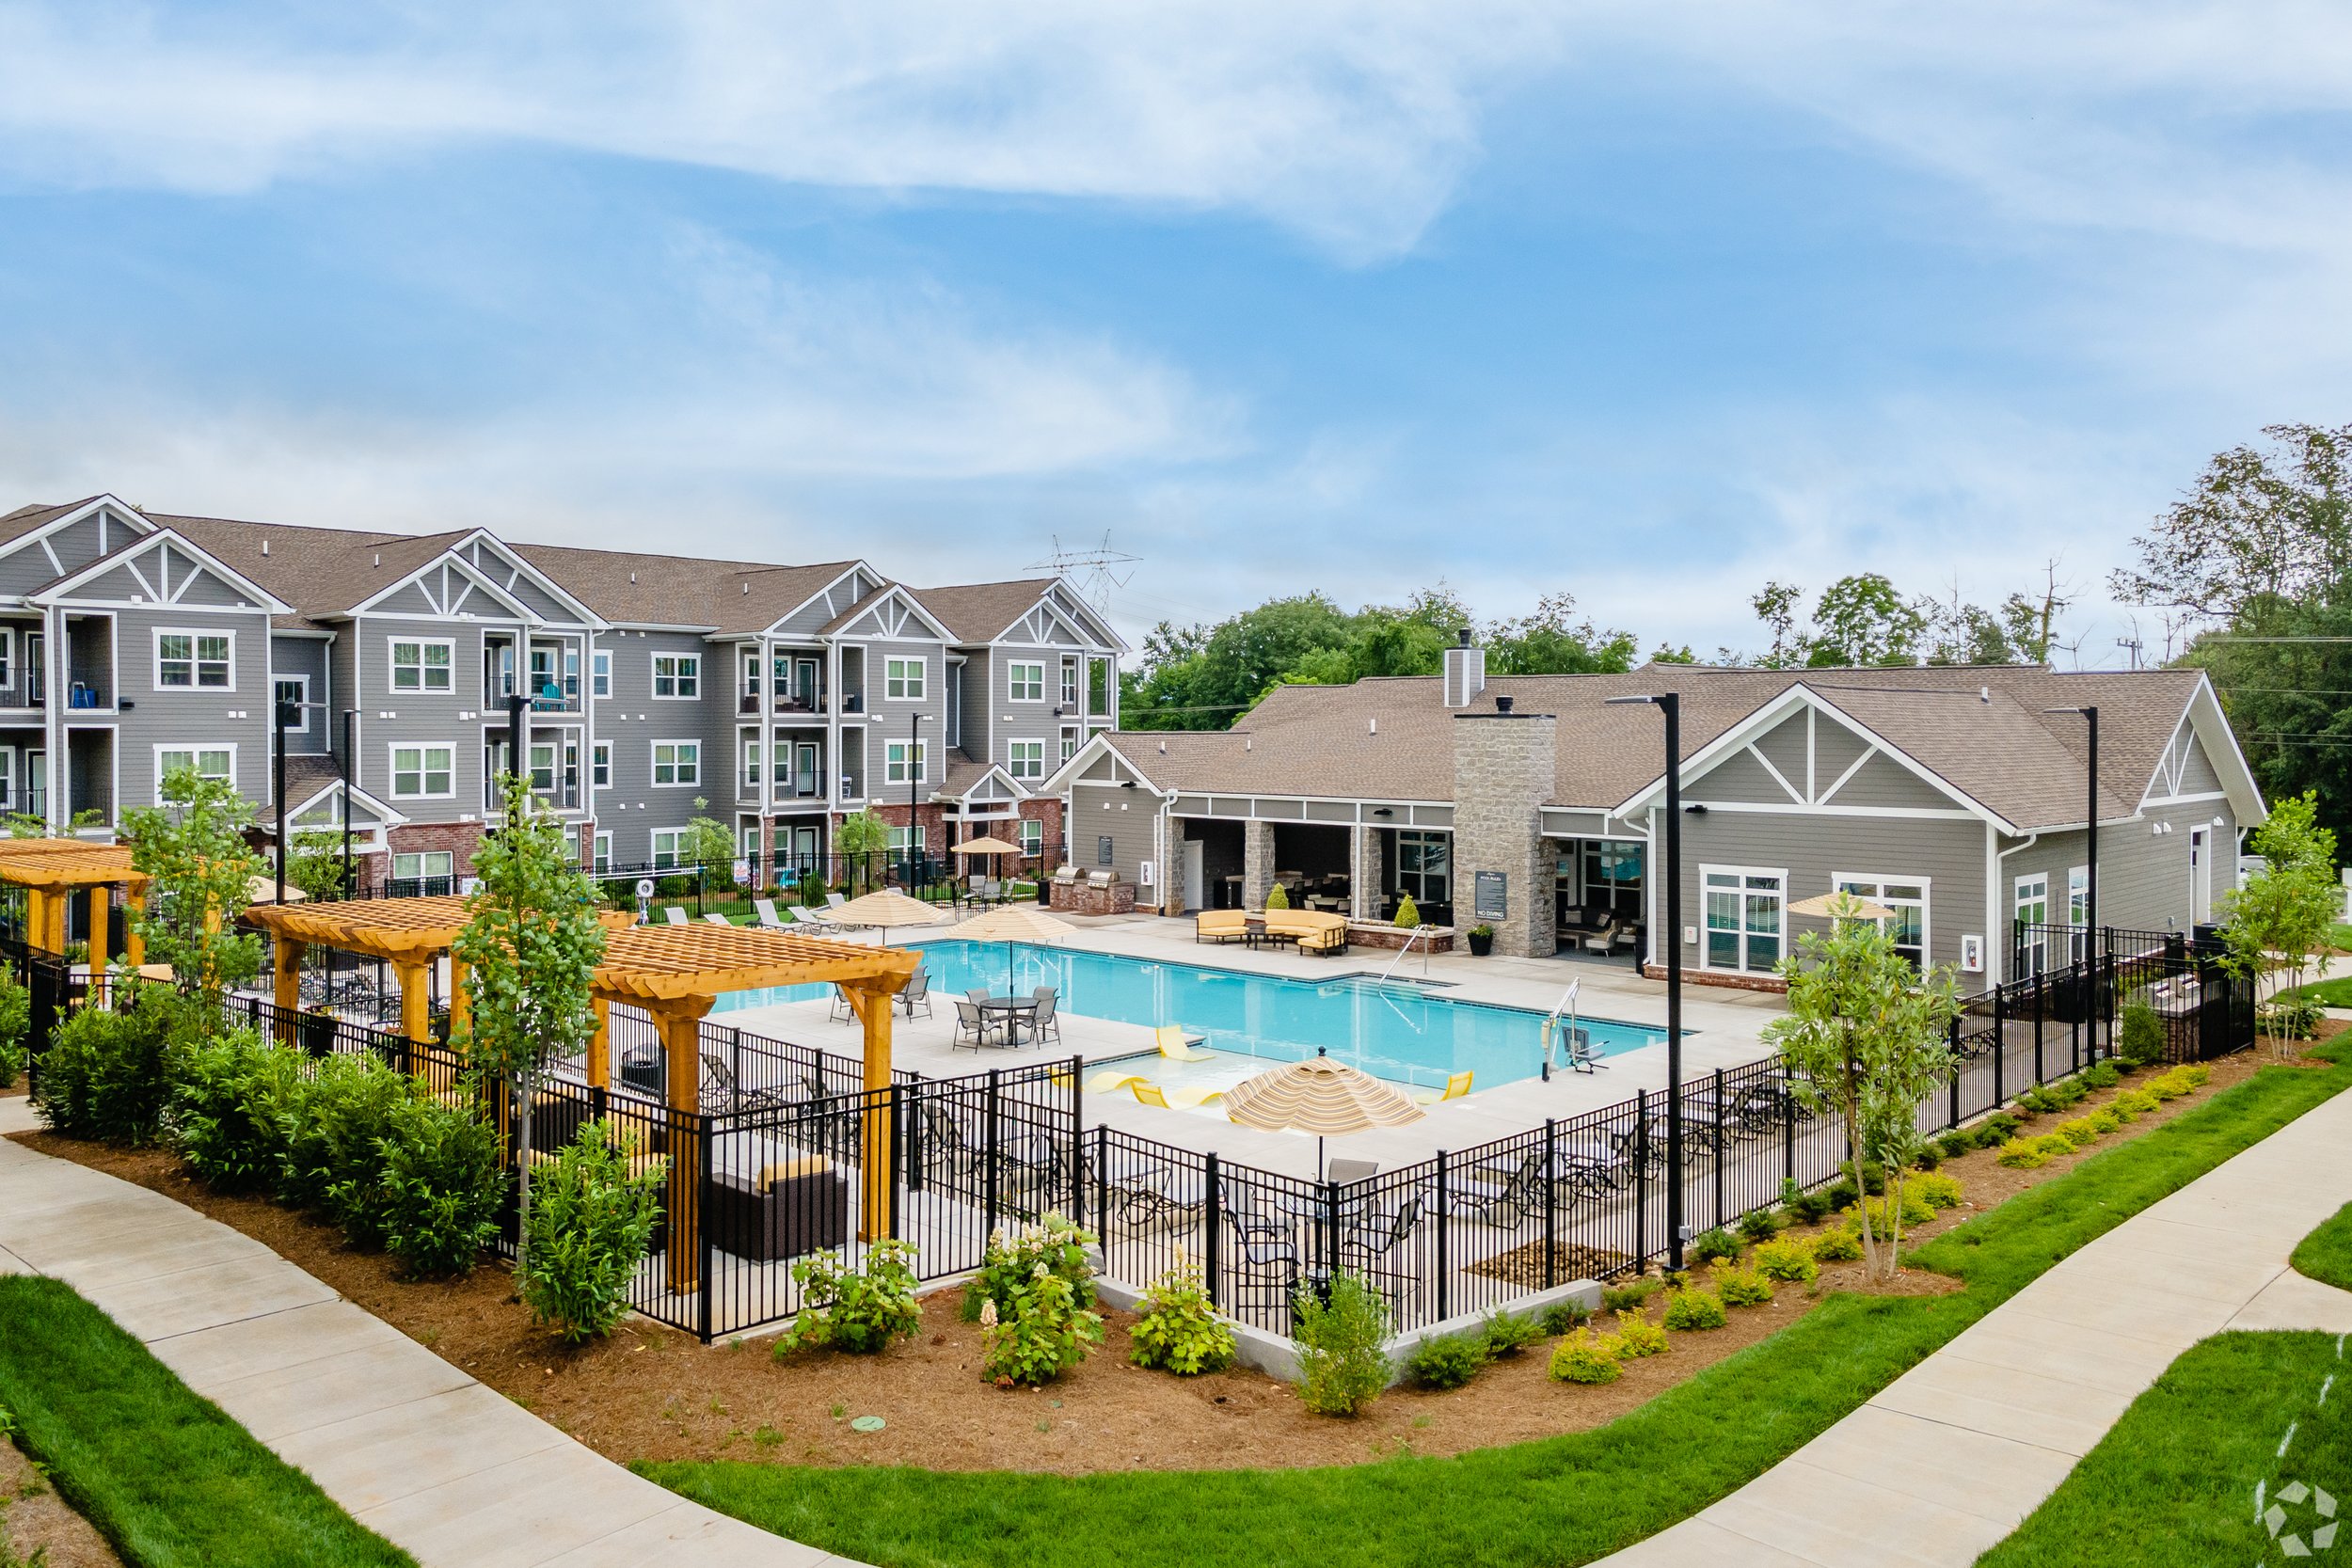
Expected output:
(52, 871)
(675, 973)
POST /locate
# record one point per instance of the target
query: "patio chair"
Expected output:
(1456, 1086)
(1374, 1242)
(918, 993)
(1483, 1200)
(720, 1093)
(841, 1012)
(766, 910)
(972, 1026)
(1603, 940)
(673, 914)
(1043, 1025)
(1173, 1044)
(1340, 1172)
(1265, 1261)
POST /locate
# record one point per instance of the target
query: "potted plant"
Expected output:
(1481, 939)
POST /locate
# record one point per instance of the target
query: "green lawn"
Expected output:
(2172, 1485)
(163, 1474)
(1558, 1501)
(2325, 1253)
(2328, 993)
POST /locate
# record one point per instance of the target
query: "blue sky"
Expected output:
(1646, 301)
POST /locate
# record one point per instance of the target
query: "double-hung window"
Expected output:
(294, 695)
(600, 766)
(677, 675)
(902, 843)
(903, 762)
(1032, 836)
(427, 872)
(1070, 685)
(205, 762)
(669, 848)
(2078, 913)
(600, 672)
(194, 661)
(1025, 683)
(423, 772)
(902, 678)
(678, 762)
(1028, 759)
(1908, 897)
(1744, 918)
(7, 665)
(423, 664)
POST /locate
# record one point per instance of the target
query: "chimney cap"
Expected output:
(1463, 637)
(1502, 704)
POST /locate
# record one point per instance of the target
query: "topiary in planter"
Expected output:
(1407, 914)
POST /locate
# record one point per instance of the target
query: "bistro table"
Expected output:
(1011, 1009)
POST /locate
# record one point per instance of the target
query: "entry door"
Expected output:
(2200, 876)
(1194, 896)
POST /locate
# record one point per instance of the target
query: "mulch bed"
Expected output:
(34, 1520)
(651, 1393)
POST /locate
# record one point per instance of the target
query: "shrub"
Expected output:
(1275, 898)
(2102, 1075)
(1692, 1308)
(1407, 914)
(2106, 1118)
(1936, 1189)
(226, 1096)
(2167, 1086)
(1928, 1158)
(1837, 1245)
(1341, 1365)
(1565, 1317)
(1623, 1298)
(1955, 1143)
(16, 1022)
(1882, 1212)
(1742, 1287)
(334, 1157)
(1043, 1334)
(2297, 1020)
(1709, 1245)
(1758, 1224)
(2081, 1132)
(1012, 1259)
(1508, 1332)
(1787, 1259)
(1637, 1335)
(2139, 1038)
(2033, 1153)
(1998, 1129)
(1840, 1194)
(1179, 1329)
(106, 1074)
(592, 1216)
(443, 1189)
(1803, 1206)
(2195, 1074)
(2137, 1102)
(1448, 1361)
(1581, 1358)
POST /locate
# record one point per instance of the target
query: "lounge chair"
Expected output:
(769, 919)
(802, 916)
(1111, 1080)
(1456, 1086)
(1182, 1097)
(1173, 1044)
(834, 900)
(716, 920)
(673, 914)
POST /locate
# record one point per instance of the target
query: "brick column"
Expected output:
(1504, 766)
(1367, 870)
(1257, 863)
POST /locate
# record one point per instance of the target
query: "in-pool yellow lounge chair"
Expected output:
(1455, 1088)
(1184, 1097)
(1112, 1080)
(1173, 1046)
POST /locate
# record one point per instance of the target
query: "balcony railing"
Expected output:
(789, 702)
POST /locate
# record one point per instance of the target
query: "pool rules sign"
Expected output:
(1490, 895)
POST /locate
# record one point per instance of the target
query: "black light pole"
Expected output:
(1669, 705)
(351, 717)
(517, 736)
(278, 707)
(2091, 945)
(915, 791)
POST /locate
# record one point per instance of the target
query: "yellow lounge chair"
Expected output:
(1181, 1097)
(1148, 1093)
(1456, 1086)
(1111, 1080)
(1173, 1046)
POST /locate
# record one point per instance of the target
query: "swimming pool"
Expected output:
(1397, 1031)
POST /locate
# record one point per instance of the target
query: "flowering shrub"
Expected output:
(1013, 1256)
(1042, 1335)
(1581, 1358)
(859, 1310)
(1179, 1329)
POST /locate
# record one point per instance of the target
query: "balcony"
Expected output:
(803, 786)
(808, 703)
(550, 697)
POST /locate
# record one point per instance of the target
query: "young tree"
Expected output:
(860, 836)
(708, 842)
(2282, 916)
(316, 864)
(531, 941)
(193, 848)
(1866, 1038)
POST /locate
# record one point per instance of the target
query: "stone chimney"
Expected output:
(1465, 672)
(1504, 772)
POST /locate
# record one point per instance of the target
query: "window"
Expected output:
(2032, 910)
(543, 767)
(205, 762)
(198, 659)
(8, 646)
(424, 666)
(1025, 683)
(1069, 744)
(600, 761)
(1743, 918)
(1070, 685)
(669, 848)
(896, 765)
(1032, 836)
(678, 762)
(1028, 759)
(902, 845)
(429, 871)
(1908, 898)
(297, 690)
(747, 742)
(903, 678)
(1425, 867)
(677, 674)
(1613, 876)
(600, 672)
(2078, 912)
(750, 676)
(8, 776)
(423, 772)
(604, 853)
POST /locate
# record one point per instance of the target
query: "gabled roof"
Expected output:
(726, 597)
(323, 572)
(312, 778)
(145, 544)
(975, 612)
(963, 774)
(888, 595)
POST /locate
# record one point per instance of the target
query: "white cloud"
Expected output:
(1348, 120)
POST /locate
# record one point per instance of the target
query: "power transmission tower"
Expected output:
(1093, 571)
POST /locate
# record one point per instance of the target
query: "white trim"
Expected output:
(2179, 801)
(1036, 664)
(1012, 770)
(1768, 808)
(1927, 905)
(264, 601)
(594, 747)
(1793, 794)
(1743, 873)
(391, 667)
(519, 566)
(917, 765)
(847, 569)
(653, 764)
(653, 678)
(196, 684)
(1847, 777)
(423, 769)
(162, 746)
(600, 672)
(446, 604)
(302, 704)
(923, 677)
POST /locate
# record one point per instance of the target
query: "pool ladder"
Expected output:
(1418, 932)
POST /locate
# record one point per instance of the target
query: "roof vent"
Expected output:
(379, 559)
(1372, 726)
(1163, 748)
(633, 576)
(1247, 743)
(265, 546)
(1502, 704)
(747, 585)
(1984, 693)
(1463, 637)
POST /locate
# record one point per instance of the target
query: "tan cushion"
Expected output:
(1221, 922)
(787, 1170)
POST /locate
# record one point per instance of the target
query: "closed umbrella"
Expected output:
(1011, 922)
(1320, 1096)
(884, 909)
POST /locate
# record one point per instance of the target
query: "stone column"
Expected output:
(1367, 867)
(1257, 863)
(1503, 767)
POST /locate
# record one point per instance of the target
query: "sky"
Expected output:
(1649, 302)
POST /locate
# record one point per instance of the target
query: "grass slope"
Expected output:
(163, 1474)
(2328, 993)
(1567, 1499)
(2325, 1253)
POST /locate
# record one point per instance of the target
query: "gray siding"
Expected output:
(1125, 817)
(2144, 876)
(179, 716)
(33, 563)
(887, 718)
(418, 718)
(1886, 783)
(307, 656)
(634, 721)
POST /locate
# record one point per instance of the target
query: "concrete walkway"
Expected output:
(410, 1447)
(1954, 1456)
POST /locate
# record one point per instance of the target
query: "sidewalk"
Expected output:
(1953, 1456)
(410, 1447)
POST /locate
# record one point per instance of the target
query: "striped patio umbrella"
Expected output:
(1320, 1096)
(1014, 922)
(885, 909)
(1840, 905)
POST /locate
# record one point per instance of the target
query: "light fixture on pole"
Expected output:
(2090, 837)
(1669, 706)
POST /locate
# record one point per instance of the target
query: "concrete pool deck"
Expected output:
(1723, 1030)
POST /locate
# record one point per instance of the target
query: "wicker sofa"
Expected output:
(784, 1207)
(1219, 924)
(1311, 930)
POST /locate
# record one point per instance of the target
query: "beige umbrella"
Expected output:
(1320, 1096)
(884, 909)
(991, 848)
(263, 890)
(1011, 922)
(1840, 905)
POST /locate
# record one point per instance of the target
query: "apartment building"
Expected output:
(660, 687)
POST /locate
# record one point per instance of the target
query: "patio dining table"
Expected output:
(1012, 1010)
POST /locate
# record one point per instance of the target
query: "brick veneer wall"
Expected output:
(1504, 765)
(1724, 979)
(423, 838)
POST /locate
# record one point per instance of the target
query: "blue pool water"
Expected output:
(1397, 1031)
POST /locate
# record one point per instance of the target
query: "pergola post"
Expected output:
(680, 1025)
(460, 1001)
(601, 1045)
(99, 906)
(57, 905)
(872, 1005)
(286, 983)
(415, 998)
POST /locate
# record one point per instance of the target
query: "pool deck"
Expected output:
(1723, 1028)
